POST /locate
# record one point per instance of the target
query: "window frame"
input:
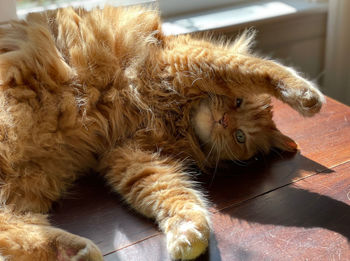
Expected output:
(87, 4)
(170, 8)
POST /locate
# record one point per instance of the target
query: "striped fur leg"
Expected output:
(160, 189)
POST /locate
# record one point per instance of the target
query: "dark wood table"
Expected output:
(281, 207)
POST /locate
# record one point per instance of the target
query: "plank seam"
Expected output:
(131, 244)
(285, 185)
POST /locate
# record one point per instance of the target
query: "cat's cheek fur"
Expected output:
(202, 121)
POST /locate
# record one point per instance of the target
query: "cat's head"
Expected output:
(234, 121)
(237, 128)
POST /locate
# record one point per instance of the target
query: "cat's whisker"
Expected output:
(235, 158)
(215, 169)
(209, 154)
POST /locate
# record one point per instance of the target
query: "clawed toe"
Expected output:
(311, 102)
(305, 98)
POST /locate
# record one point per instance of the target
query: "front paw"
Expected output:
(187, 239)
(303, 97)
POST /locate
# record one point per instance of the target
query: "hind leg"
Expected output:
(25, 235)
(30, 237)
(31, 186)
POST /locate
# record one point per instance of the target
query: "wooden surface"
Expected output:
(280, 207)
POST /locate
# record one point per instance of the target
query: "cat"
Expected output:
(106, 90)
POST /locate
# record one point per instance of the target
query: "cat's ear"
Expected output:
(283, 142)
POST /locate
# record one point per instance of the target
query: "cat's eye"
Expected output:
(239, 102)
(240, 136)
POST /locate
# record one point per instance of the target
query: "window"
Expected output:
(167, 7)
(26, 6)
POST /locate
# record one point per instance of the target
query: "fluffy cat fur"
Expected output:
(107, 90)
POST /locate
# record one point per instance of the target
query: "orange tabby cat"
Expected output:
(107, 90)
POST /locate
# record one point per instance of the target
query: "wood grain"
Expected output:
(92, 211)
(323, 138)
(304, 221)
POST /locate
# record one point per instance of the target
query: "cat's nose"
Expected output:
(224, 120)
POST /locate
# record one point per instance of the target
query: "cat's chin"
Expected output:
(203, 121)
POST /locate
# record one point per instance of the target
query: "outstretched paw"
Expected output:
(303, 97)
(187, 239)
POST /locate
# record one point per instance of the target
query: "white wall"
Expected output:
(7, 10)
(337, 68)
